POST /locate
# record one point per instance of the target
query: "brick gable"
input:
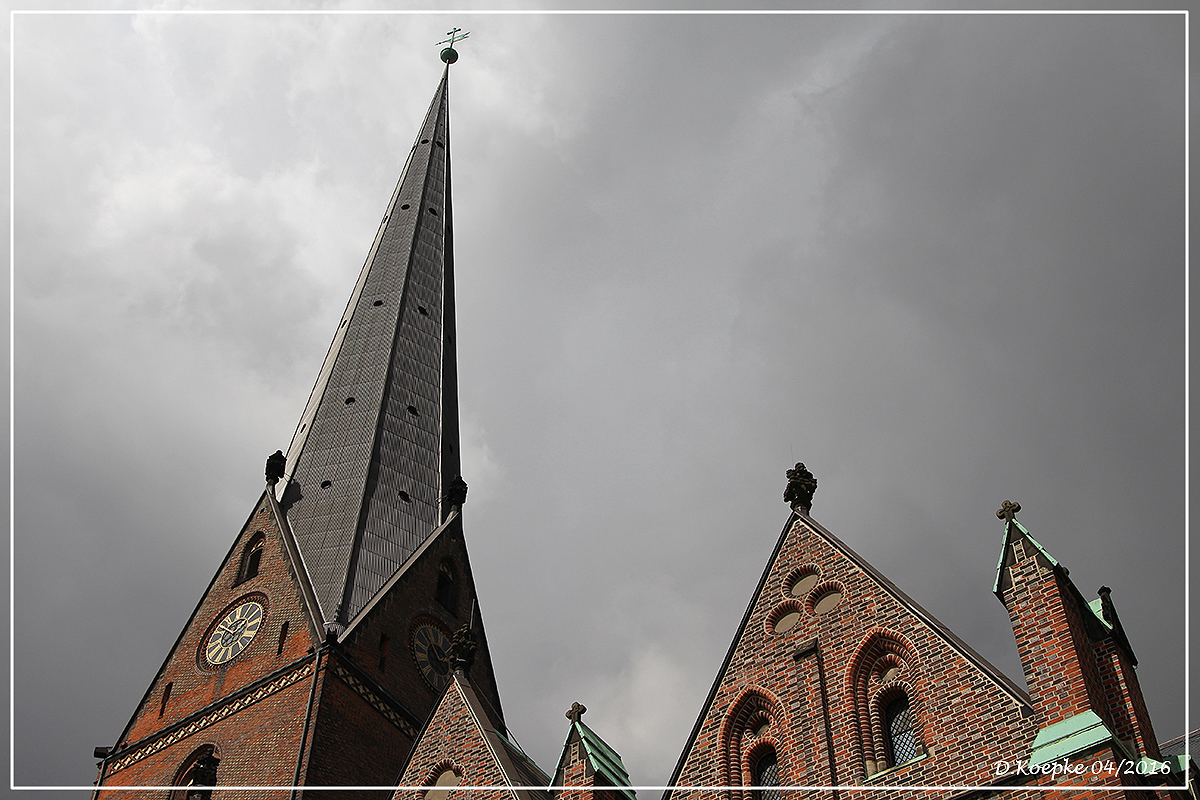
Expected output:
(826, 646)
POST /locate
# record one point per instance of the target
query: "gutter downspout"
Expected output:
(814, 648)
(100, 780)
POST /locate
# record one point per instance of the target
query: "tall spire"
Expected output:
(376, 450)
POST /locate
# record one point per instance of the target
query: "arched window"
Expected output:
(197, 775)
(447, 587)
(882, 676)
(901, 737)
(766, 773)
(251, 558)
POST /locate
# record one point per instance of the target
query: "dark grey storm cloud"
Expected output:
(939, 259)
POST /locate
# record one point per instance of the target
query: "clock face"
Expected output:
(431, 648)
(234, 633)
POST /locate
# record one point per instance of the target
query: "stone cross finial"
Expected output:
(801, 486)
(576, 711)
(1008, 511)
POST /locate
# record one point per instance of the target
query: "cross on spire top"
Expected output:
(576, 711)
(1008, 511)
(449, 54)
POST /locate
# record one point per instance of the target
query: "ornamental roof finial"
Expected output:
(449, 54)
(1008, 511)
(800, 488)
(576, 711)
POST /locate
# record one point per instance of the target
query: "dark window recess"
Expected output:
(377, 303)
(902, 739)
(251, 558)
(283, 629)
(413, 410)
(197, 776)
(439, 144)
(404, 206)
(433, 211)
(349, 401)
(405, 496)
(166, 698)
(424, 141)
(383, 651)
(447, 588)
(766, 774)
(423, 311)
(326, 484)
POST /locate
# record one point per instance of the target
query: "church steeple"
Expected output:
(372, 466)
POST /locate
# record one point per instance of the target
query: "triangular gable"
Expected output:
(758, 679)
(277, 587)
(459, 740)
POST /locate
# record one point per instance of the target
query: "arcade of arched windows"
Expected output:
(750, 744)
(882, 681)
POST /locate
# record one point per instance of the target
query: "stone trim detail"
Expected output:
(187, 729)
(374, 700)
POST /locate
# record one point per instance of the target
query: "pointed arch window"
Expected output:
(766, 774)
(251, 558)
(901, 737)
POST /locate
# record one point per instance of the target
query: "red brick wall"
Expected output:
(963, 718)
(452, 740)
(353, 744)
(257, 746)
(194, 684)
(413, 596)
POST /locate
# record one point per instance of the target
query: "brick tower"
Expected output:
(322, 643)
(836, 678)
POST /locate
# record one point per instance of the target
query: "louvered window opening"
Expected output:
(766, 773)
(902, 737)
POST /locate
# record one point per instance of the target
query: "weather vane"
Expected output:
(450, 55)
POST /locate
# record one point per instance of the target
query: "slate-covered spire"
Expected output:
(376, 450)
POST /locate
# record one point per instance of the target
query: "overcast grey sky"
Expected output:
(939, 259)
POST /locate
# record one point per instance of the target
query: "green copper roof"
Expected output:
(1068, 737)
(1097, 609)
(1008, 538)
(606, 761)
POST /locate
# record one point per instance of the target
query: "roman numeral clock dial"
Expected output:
(431, 649)
(233, 633)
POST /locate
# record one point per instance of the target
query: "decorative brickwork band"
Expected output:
(193, 726)
(374, 700)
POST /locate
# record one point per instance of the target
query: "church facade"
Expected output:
(341, 644)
